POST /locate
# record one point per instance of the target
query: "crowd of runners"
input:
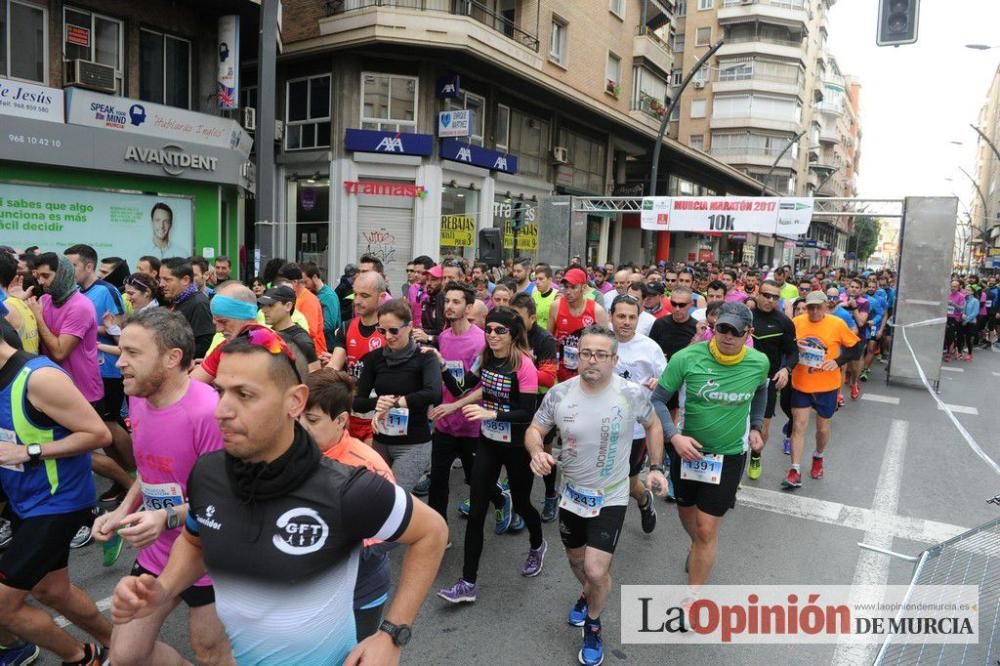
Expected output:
(259, 444)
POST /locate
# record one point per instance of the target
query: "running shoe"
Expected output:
(464, 507)
(516, 523)
(6, 536)
(855, 391)
(647, 514)
(578, 613)
(753, 471)
(787, 447)
(461, 592)
(592, 652)
(817, 468)
(947, 358)
(840, 399)
(20, 653)
(866, 374)
(112, 549)
(423, 486)
(533, 563)
(792, 480)
(550, 509)
(504, 514)
(968, 357)
(82, 538)
(113, 495)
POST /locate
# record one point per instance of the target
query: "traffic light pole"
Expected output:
(265, 228)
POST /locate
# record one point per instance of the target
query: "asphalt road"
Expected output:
(928, 487)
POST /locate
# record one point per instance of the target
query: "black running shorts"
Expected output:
(600, 532)
(713, 499)
(194, 596)
(40, 546)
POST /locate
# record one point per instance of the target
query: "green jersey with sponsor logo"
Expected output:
(716, 397)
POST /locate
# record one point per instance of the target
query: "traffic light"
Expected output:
(897, 22)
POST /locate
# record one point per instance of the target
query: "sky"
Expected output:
(918, 98)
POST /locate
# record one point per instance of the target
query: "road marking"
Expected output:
(950, 369)
(873, 568)
(996, 374)
(875, 397)
(959, 409)
(102, 605)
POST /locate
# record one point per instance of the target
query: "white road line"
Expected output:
(996, 374)
(102, 605)
(947, 368)
(873, 568)
(960, 409)
(875, 397)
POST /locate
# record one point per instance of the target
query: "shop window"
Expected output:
(388, 102)
(312, 214)
(476, 104)
(517, 218)
(459, 212)
(95, 38)
(307, 115)
(24, 41)
(164, 69)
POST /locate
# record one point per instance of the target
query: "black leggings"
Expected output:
(485, 472)
(968, 336)
(952, 333)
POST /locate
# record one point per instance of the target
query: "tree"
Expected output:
(864, 237)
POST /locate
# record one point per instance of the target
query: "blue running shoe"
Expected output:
(464, 507)
(592, 652)
(20, 653)
(578, 613)
(516, 523)
(788, 447)
(550, 509)
(504, 514)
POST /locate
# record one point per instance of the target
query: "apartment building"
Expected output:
(986, 219)
(565, 99)
(761, 105)
(111, 108)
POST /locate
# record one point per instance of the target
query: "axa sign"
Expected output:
(394, 143)
(469, 153)
(174, 160)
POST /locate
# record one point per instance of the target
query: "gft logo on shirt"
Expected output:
(300, 531)
(711, 391)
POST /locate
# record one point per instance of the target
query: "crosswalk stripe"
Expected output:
(950, 369)
(960, 409)
(875, 397)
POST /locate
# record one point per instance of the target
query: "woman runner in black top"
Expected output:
(508, 384)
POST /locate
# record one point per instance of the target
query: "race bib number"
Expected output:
(395, 422)
(156, 496)
(571, 357)
(706, 470)
(498, 431)
(811, 357)
(10, 437)
(585, 502)
(457, 370)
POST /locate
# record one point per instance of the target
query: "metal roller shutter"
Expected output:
(385, 229)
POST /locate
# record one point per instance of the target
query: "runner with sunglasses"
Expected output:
(507, 383)
(400, 384)
(675, 332)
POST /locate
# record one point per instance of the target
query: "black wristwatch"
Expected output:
(400, 633)
(34, 454)
(657, 468)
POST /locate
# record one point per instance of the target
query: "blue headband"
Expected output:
(230, 308)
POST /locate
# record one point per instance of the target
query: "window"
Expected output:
(307, 113)
(164, 69)
(682, 8)
(676, 114)
(742, 69)
(557, 45)
(618, 8)
(705, 4)
(679, 43)
(248, 97)
(502, 129)
(757, 106)
(697, 141)
(703, 37)
(697, 108)
(727, 144)
(95, 38)
(529, 140)
(650, 93)
(388, 102)
(476, 104)
(613, 74)
(24, 41)
(676, 77)
(701, 76)
(587, 157)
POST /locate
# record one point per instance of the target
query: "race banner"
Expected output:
(788, 216)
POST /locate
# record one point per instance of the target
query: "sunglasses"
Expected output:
(266, 339)
(679, 305)
(391, 330)
(726, 329)
(770, 297)
(497, 330)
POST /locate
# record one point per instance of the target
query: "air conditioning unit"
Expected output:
(249, 118)
(698, 84)
(92, 75)
(560, 154)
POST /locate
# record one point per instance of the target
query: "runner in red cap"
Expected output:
(570, 314)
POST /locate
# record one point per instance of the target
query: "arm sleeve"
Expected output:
(430, 390)
(758, 406)
(362, 402)
(340, 337)
(661, 396)
(546, 363)
(374, 508)
(789, 347)
(457, 388)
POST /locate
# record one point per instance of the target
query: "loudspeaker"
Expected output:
(491, 246)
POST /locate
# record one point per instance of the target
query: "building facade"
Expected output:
(985, 216)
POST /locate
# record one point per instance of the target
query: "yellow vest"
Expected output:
(28, 330)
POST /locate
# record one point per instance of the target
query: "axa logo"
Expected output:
(390, 144)
(464, 154)
(501, 163)
(300, 531)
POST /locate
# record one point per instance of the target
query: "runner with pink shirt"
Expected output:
(173, 424)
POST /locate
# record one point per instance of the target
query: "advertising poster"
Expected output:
(114, 223)
(228, 84)
(788, 216)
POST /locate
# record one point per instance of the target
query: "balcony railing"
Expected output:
(650, 105)
(783, 4)
(738, 151)
(470, 8)
(743, 39)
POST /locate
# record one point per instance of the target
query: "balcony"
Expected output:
(651, 106)
(455, 24)
(792, 13)
(756, 121)
(742, 155)
(830, 106)
(649, 49)
(761, 45)
(829, 134)
(757, 83)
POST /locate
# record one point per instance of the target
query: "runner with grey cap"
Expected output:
(725, 387)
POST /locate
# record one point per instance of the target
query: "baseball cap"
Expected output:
(736, 315)
(280, 294)
(816, 298)
(575, 276)
(654, 288)
(435, 271)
